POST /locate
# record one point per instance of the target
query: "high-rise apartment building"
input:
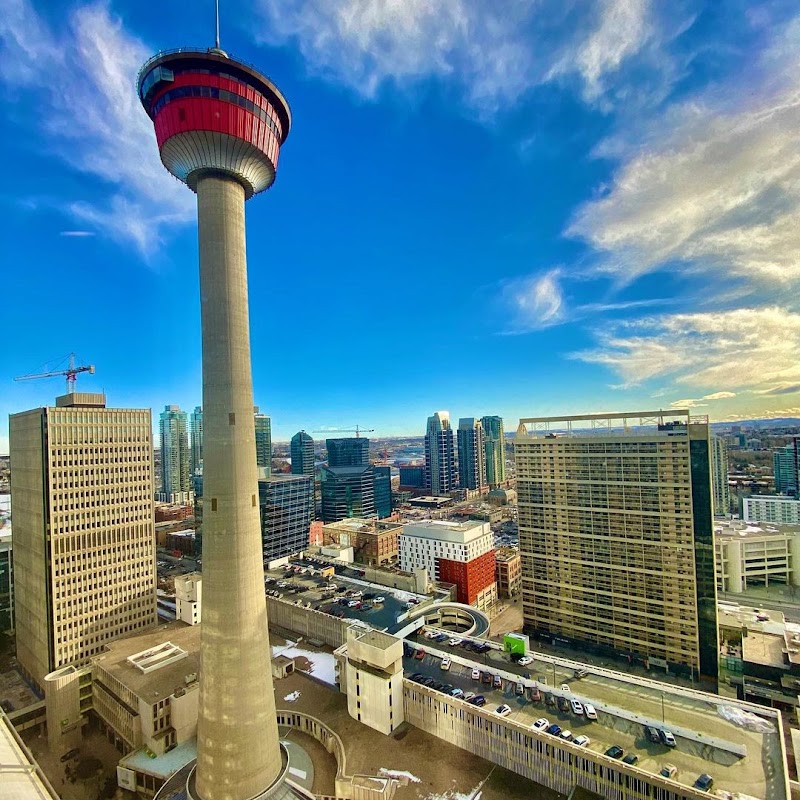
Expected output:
(287, 508)
(301, 452)
(471, 453)
(616, 536)
(347, 452)
(784, 461)
(263, 443)
(347, 492)
(84, 539)
(175, 484)
(494, 438)
(440, 464)
(719, 476)
(196, 441)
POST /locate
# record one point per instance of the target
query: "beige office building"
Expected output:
(84, 541)
(616, 538)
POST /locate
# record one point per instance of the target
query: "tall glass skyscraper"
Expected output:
(263, 443)
(383, 491)
(494, 438)
(287, 508)
(175, 483)
(196, 441)
(440, 464)
(301, 451)
(347, 492)
(471, 453)
(347, 452)
(785, 468)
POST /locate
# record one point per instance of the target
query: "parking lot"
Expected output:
(623, 710)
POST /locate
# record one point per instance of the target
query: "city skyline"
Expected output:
(601, 237)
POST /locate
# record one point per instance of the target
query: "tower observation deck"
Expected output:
(219, 125)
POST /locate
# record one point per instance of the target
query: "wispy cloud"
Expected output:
(720, 396)
(784, 388)
(494, 52)
(92, 117)
(77, 234)
(741, 349)
(534, 302)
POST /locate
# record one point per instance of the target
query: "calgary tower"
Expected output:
(219, 125)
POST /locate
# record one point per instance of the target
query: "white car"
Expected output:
(503, 710)
(476, 674)
(566, 735)
(565, 687)
(524, 661)
(378, 600)
(590, 711)
(454, 642)
(541, 724)
(577, 708)
(430, 634)
(445, 663)
(581, 741)
(352, 603)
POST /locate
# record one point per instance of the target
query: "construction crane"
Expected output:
(355, 430)
(71, 373)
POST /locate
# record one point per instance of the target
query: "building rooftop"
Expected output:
(20, 776)
(761, 647)
(506, 554)
(737, 528)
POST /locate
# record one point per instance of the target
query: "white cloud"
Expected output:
(712, 184)
(76, 234)
(493, 51)
(92, 117)
(534, 302)
(740, 349)
(719, 396)
(688, 403)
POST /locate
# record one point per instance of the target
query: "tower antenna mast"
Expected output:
(216, 8)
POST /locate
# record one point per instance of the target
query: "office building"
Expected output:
(383, 491)
(508, 571)
(495, 444)
(84, 539)
(287, 508)
(461, 553)
(263, 444)
(616, 536)
(196, 441)
(471, 454)
(347, 492)
(219, 126)
(748, 555)
(784, 461)
(719, 476)
(374, 543)
(777, 509)
(440, 465)
(301, 452)
(175, 484)
(412, 476)
(347, 452)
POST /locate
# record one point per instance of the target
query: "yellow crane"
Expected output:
(72, 371)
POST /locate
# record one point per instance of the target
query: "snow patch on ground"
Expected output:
(399, 774)
(474, 794)
(314, 662)
(292, 696)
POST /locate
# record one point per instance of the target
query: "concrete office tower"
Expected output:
(301, 451)
(84, 542)
(495, 439)
(175, 483)
(616, 536)
(263, 444)
(219, 126)
(287, 508)
(471, 453)
(719, 476)
(196, 441)
(440, 465)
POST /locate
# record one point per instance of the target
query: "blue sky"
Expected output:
(521, 208)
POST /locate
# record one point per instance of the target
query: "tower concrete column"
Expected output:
(238, 751)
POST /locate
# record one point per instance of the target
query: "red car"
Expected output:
(419, 654)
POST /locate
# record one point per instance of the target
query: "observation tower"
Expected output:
(219, 125)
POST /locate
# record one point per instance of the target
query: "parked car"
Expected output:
(486, 677)
(469, 696)
(652, 734)
(667, 738)
(524, 661)
(535, 694)
(476, 674)
(565, 687)
(566, 735)
(503, 710)
(579, 673)
(563, 704)
(520, 688)
(577, 708)
(554, 730)
(704, 782)
(455, 642)
(668, 770)
(479, 700)
(541, 724)
(458, 693)
(430, 634)
(581, 741)
(420, 654)
(378, 600)
(497, 682)
(550, 700)
(417, 677)
(429, 682)
(353, 603)
(440, 637)
(445, 663)
(590, 711)
(615, 751)
(631, 759)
